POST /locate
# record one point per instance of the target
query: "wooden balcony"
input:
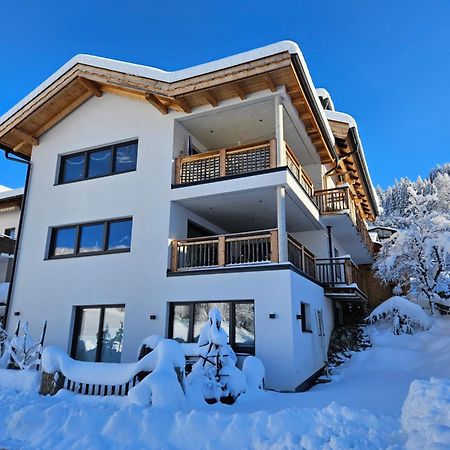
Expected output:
(237, 161)
(225, 250)
(339, 200)
(341, 278)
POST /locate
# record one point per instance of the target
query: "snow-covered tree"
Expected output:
(417, 257)
(215, 375)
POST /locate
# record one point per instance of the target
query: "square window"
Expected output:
(99, 163)
(119, 235)
(91, 238)
(72, 168)
(126, 156)
(64, 241)
(10, 232)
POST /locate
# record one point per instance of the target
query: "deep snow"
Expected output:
(361, 408)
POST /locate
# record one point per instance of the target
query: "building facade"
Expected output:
(10, 204)
(154, 196)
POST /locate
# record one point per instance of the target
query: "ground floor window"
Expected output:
(305, 310)
(238, 320)
(98, 333)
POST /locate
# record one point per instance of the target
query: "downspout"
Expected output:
(20, 159)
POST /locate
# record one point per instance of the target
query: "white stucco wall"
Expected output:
(49, 289)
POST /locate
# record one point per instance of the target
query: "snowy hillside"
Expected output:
(361, 408)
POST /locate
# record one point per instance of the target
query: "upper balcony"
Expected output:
(338, 209)
(236, 161)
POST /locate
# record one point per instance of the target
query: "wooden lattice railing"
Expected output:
(225, 162)
(237, 161)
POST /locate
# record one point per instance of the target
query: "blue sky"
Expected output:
(387, 63)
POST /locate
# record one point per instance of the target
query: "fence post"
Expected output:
(178, 170)
(274, 246)
(221, 248)
(273, 153)
(174, 256)
(222, 162)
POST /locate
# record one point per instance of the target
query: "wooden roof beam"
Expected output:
(153, 100)
(239, 91)
(209, 97)
(27, 138)
(91, 86)
(269, 82)
(183, 104)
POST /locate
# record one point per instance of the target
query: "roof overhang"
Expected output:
(84, 76)
(353, 165)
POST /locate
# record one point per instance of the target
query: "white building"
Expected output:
(154, 195)
(10, 202)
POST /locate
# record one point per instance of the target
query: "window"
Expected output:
(98, 333)
(238, 320)
(10, 232)
(119, 158)
(305, 311)
(109, 236)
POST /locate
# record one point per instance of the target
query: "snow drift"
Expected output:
(426, 414)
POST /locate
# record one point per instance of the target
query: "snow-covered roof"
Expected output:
(321, 92)
(5, 194)
(348, 119)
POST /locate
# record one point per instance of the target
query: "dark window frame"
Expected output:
(87, 153)
(238, 348)
(8, 232)
(76, 254)
(306, 318)
(77, 327)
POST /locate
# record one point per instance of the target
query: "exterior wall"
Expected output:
(50, 289)
(317, 242)
(308, 347)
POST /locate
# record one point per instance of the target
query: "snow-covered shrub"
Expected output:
(24, 352)
(148, 345)
(254, 371)
(404, 314)
(426, 414)
(214, 376)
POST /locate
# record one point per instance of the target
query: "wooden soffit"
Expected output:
(22, 130)
(350, 169)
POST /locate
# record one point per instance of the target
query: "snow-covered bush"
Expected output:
(404, 314)
(426, 414)
(255, 373)
(214, 376)
(148, 345)
(24, 352)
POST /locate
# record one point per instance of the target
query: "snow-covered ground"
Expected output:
(361, 408)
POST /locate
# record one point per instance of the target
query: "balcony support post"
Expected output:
(281, 224)
(279, 131)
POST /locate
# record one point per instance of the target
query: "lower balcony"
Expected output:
(339, 276)
(341, 279)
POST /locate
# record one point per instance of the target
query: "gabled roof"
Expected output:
(85, 76)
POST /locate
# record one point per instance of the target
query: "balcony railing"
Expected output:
(260, 247)
(301, 257)
(237, 161)
(299, 172)
(338, 272)
(225, 250)
(337, 200)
